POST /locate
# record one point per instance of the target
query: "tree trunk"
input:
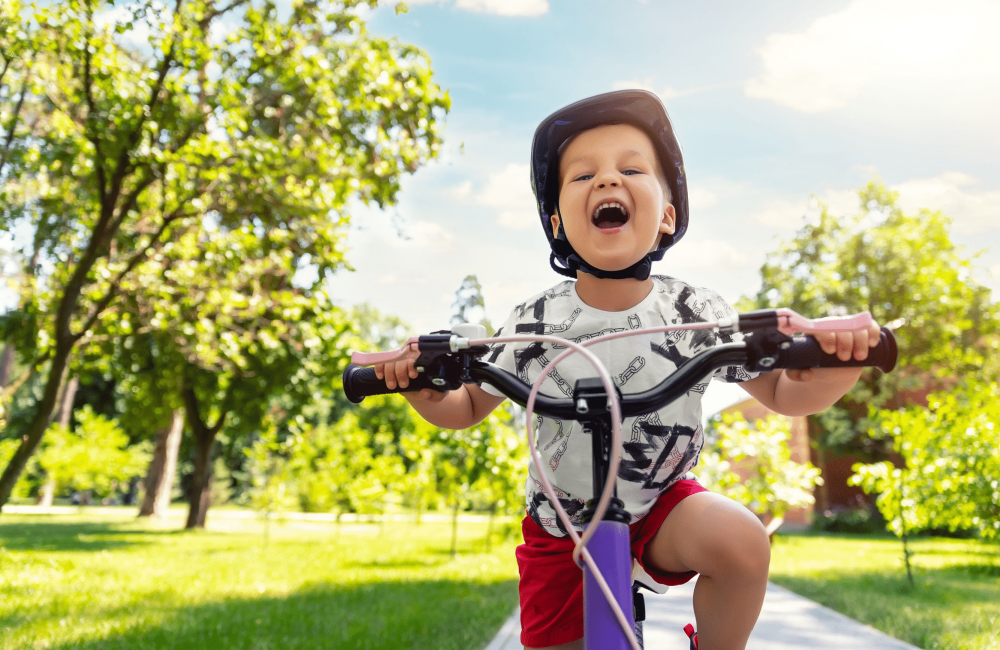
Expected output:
(162, 468)
(6, 364)
(48, 494)
(200, 496)
(454, 530)
(489, 528)
(36, 429)
(63, 413)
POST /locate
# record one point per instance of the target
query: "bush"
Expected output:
(857, 520)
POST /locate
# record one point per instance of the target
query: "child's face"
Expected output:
(611, 204)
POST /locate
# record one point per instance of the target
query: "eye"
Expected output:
(632, 172)
(583, 177)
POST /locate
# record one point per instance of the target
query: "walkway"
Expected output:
(788, 621)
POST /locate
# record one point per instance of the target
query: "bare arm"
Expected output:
(804, 392)
(458, 409)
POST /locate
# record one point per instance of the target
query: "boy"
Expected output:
(612, 195)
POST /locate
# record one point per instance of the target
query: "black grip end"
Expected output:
(360, 383)
(886, 353)
(805, 352)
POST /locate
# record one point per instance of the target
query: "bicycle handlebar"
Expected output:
(799, 352)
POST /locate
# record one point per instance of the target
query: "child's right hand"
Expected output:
(399, 373)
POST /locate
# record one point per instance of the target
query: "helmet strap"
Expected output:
(570, 262)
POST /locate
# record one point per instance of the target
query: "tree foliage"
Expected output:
(951, 454)
(94, 455)
(900, 267)
(179, 165)
(768, 481)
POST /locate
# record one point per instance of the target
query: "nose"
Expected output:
(608, 178)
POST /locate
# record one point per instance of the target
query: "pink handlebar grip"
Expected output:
(790, 322)
(375, 358)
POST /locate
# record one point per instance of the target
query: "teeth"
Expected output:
(609, 204)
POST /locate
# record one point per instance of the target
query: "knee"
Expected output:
(745, 549)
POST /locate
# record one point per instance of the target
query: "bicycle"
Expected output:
(613, 606)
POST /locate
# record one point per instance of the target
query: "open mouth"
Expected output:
(610, 214)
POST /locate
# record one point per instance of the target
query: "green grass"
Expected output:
(87, 582)
(954, 605)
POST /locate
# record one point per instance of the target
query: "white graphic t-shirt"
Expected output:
(660, 447)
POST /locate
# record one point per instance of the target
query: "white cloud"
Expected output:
(700, 198)
(423, 235)
(955, 194)
(666, 93)
(509, 191)
(459, 192)
(529, 8)
(779, 213)
(708, 254)
(900, 54)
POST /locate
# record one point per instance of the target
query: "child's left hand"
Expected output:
(844, 344)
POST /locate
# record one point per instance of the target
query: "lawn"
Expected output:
(114, 582)
(88, 582)
(955, 604)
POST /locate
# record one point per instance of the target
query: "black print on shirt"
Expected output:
(632, 370)
(587, 337)
(497, 349)
(669, 352)
(641, 421)
(546, 328)
(556, 457)
(563, 435)
(638, 465)
(536, 352)
(560, 431)
(573, 508)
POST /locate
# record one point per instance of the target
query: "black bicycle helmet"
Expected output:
(639, 108)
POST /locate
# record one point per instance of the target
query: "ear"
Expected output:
(667, 226)
(554, 220)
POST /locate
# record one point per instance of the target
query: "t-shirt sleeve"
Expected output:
(721, 309)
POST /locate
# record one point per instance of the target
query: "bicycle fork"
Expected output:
(610, 546)
(610, 549)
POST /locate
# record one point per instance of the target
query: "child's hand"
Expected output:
(845, 344)
(399, 373)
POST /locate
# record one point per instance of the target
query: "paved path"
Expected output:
(788, 621)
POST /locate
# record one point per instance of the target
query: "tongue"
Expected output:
(609, 223)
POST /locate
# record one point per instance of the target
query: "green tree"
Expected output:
(769, 482)
(271, 478)
(470, 305)
(95, 455)
(900, 267)
(138, 155)
(501, 483)
(950, 476)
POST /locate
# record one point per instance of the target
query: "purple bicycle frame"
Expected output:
(610, 549)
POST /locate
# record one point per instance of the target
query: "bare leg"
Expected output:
(728, 546)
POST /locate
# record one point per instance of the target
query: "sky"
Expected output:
(779, 105)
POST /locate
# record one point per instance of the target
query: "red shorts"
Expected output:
(551, 587)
